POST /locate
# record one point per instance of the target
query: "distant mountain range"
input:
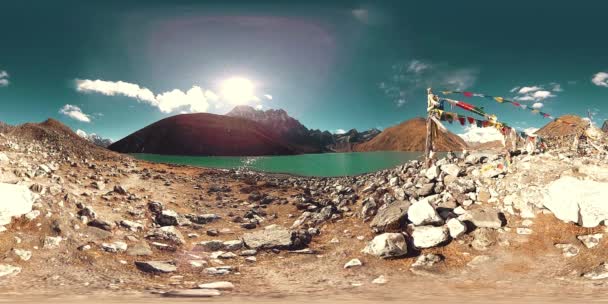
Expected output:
(94, 138)
(245, 131)
(300, 137)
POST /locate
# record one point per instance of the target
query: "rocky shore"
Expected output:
(80, 219)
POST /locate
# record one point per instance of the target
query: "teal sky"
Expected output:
(332, 65)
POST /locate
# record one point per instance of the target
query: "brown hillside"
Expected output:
(204, 134)
(411, 136)
(563, 126)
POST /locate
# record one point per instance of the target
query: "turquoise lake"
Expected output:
(321, 165)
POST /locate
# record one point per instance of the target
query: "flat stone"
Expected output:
(51, 242)
(590, 240)
(387, 245)
(24, 255)
(9, 270)
(598, 273)
(114, 246)
(277, 237)
(483, 239)
(451, 169)
(380, 280)
(353, 263)
(483, 218)
(568, 250)
(427, 260)
(167, 233)
(156, 266)
(579, 201)
(220, 285)
(192, 293)
(479, 260)
(139, 249)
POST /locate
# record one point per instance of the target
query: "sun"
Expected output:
(237, 90)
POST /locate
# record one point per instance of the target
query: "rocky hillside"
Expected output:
(411, 136)
(563, 126)
(75, 224)
(297, 135)
(605, 126)
(205, 134)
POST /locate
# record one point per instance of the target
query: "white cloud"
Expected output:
(112, 88)
(340, 131)
(4, 78)
(474, 134)
(259, 107)
(409, 78)
(194, 100)
(600, 79)
(268, 96)
(536, 93)
(81, 133)
(540, 95)
(417, 66)
(537, 105)
(556, 87)
(526, 90)
(514, 89)
(361, 15)
(74, 112)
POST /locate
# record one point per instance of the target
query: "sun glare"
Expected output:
(237, 90)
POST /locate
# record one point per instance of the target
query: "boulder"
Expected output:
(483, 238)
(483, 218)
(274, 237)
(590, 240)
(426, 189)
(578, 201)
(422, 213)
(451, 169)
(353, 263)
(387, 245)
(429, 236)
(390, 216)
(167, 233)
(156, 266)
(15, 201)
(167, 218)
(432, 173)
(456, 228)
(427, 260)
(139, 249)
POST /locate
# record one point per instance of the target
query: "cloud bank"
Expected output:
(75, 113)
(4, 78)
(473, 134)
(600, 79)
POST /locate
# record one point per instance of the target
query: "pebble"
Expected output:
(353, 263)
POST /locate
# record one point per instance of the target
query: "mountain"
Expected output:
(205, 134)
(346, 142)
(61, 137)
(605, 126)
(563, 126)
(95, 139)
(411, 136)
(297, 135)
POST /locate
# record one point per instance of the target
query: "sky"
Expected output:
(113, 67)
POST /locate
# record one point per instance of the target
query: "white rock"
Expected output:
(432, 173)
(524, 231)
(578, 201)
(568, 250)
(456, 228)
(51, 242)
(422, 213)
(3, 157)
(9, 270)
(221, 285)
(597, 273)
(117, 246)
(380, 280)
(32, 215)
(429, 236)
(387, 245)
(353, 263)
(590, 240)
(451, 169)
(24, 255)
(15, 201)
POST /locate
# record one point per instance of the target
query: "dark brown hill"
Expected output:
(411, 136)
(204, 134)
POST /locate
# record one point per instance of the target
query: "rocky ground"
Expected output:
(75, 220)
